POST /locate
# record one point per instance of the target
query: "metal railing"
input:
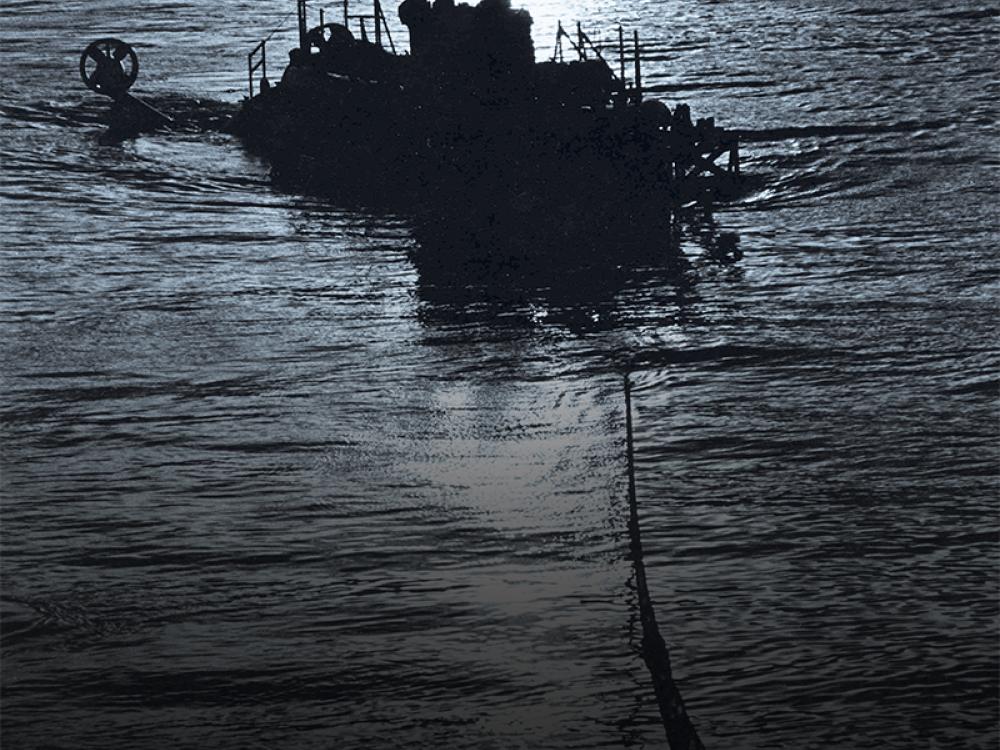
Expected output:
(379, 20)
(583, 44)
(261, 64)
(381, 26)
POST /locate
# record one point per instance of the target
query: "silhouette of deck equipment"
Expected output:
(466, 127)
(468, 119)
(110, 66)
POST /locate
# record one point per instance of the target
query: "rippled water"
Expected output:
(269, 480)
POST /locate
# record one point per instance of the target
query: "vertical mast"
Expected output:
(638, 68)
(621, 54)
(302, 25)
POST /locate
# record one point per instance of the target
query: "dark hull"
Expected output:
(531, 174)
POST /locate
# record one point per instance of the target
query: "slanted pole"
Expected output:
(385, 25)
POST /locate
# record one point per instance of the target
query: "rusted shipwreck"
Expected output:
(467, 123)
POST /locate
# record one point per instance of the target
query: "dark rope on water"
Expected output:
(681, 733)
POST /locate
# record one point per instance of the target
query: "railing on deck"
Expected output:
(261, 64)
(377, 16)
(378, 19)
(583, 44)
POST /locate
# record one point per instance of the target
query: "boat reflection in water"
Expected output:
(485, 273)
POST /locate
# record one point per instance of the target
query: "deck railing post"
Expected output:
(579, 41)
(347, 20)
(378, 23)
(621, 53)
(638, 67)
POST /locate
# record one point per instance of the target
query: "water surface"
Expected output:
(270, 480)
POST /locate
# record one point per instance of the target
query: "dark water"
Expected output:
(270, 482)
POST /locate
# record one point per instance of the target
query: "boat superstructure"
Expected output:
(467, 118)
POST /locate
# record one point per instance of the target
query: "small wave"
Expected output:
(876, 11)
(189, 114)
(195, 115)
(781, 134)
(706, 85)
(76, 115)
(25, 617)
(989, 386)
(971, 15)
(725, 353)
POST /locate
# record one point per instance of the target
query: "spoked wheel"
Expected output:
(330, 35)
(109, 67)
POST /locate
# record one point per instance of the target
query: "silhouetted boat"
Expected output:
(468, 127)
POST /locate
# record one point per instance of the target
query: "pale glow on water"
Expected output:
(274, 477)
